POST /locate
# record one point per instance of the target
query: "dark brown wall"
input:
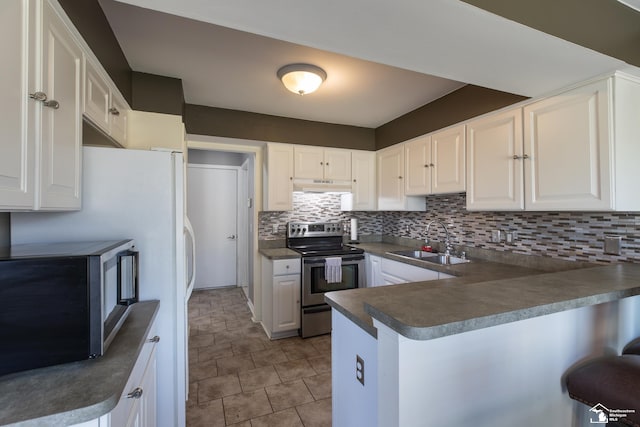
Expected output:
(89, 19)
(157, 94)
(462, 104)
(605, 26)
(203, 120)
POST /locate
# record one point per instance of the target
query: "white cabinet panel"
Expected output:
(567, 141)
(494, 177)
(322, 163)
(281, 297)
(390, 177)
(418, 165)
(17, 133)
(363, 189)
(278, 178)
(448, 161)
(60, 158)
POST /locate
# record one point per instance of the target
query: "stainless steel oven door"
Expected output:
(314, 284)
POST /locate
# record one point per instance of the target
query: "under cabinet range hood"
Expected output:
(321, 186)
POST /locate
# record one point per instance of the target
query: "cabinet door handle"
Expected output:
(42, 97)
(400, 177)
(114, 111)
(523, 157)
(154, 339)
(135, 394)
(432, 165)
(426, 166)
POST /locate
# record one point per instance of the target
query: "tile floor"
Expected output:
(238, 377)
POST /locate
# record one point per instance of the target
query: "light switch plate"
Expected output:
(612, 245)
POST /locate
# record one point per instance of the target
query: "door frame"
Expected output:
(244, 146)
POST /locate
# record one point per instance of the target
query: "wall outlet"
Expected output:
(274, 228)
(612, 245)
(496, 236)
(360, 369)
(510, 237)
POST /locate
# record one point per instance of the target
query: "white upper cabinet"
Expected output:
(435, 163)
(322, 163)
(103, 105)
(155, 130)
(574, 151)
(40, 161)
(363, 169)
(494, 171)
(391, 181)
(17, 132)
(569, 144)
(448, 161)
(61, 127)
(418, 158)
(278, 177)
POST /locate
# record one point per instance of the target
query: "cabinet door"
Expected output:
(96, 97)
(567, 141)
(17, 131)
(279, 179)
(119, 117)
(60, 157)
(337, 164)
(448, 161)
(308, 162)
(390, 178)
(494, 177)
(364, 180)
(417, 154)
(286, 302)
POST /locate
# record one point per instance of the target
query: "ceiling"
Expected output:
(381, 57)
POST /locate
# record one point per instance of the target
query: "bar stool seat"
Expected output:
(633, 347)
(612, 381)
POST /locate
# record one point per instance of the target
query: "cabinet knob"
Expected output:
(354, 180)
(327, 164)
(287, 267)
(400, 177)
(135, 394)
(426, 166)
(523, 157)
(114, 111)
(321, 163)
(154, 339)
(42, 97)
(432, 165)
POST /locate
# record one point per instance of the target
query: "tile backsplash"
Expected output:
(568, 235)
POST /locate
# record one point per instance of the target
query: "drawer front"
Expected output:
(120, 413)
(286, 266)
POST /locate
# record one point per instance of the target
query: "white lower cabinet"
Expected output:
(383, 271)
(137, 406)
(281, 297)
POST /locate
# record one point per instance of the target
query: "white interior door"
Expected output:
(213, 210)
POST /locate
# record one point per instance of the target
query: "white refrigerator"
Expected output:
(140, 195)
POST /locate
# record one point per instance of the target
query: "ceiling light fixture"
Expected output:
(301, 78)
(633, 4)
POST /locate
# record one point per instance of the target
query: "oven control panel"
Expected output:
(314, 229)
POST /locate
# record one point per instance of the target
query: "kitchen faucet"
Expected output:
(447, 242)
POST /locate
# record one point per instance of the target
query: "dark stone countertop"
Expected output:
(483, 294)
(76, 392)
(279, 253)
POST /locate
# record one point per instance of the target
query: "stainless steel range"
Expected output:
(327, 265)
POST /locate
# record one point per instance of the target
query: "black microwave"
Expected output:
(63, 302)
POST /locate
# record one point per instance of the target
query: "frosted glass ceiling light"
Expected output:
(301, 78)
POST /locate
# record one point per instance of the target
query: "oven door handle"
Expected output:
(321, 262)
(317, 309)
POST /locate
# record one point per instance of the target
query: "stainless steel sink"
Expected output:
(441, 259)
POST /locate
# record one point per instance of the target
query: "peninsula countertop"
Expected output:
(483, 294)
(75, 392)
